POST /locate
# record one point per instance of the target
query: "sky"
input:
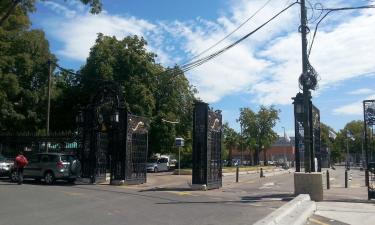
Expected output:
(261, 70)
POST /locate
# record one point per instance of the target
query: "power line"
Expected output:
(229, 34)
(330, 10)
(205, 59)
(199, 62)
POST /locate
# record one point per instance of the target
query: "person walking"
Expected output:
(20, 162)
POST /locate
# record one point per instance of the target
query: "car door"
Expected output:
(32, 168)
(163, 164)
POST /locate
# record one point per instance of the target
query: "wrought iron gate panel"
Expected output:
(369, 123)
(207, 134)
(136, 149)
(113, 140)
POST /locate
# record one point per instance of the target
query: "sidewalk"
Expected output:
(347, 212)
(345, 205)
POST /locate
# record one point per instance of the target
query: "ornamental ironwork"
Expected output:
(369, 123)
(113, 146)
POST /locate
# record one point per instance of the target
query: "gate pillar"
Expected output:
(207, 134)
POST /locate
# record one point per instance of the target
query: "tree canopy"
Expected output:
(24, 57)
(257, 128)
(161, 94)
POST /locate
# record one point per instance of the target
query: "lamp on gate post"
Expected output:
(80, 118)
(115, 117)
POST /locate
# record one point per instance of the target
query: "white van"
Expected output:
(158, 164)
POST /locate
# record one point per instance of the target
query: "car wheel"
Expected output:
(71, 180)
(49, 178)
(155, 170)
(14, 176)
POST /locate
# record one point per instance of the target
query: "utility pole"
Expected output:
(48, 99)
(306, 93)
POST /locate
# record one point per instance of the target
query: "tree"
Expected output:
(328, 142)
(257, 129)
(231, 140)
(342, 140)
(8, 7)
(24, 57)
(149, 89)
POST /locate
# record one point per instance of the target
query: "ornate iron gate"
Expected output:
(114, 142)
(369, 122)
(207, 134)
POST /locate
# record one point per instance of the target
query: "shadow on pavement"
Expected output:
(167, 189)
(269, 197)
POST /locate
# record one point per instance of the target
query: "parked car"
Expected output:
(51, 167)
(5, 166)
(156, 165)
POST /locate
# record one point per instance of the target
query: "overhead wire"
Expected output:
(189, 66)
(229, 34)
(205, 59)
(328, 11)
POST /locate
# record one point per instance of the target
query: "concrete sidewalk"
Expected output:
(345, 205)
(346, 213)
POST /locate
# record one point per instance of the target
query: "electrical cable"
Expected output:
(205, 59)
(329, 10)
(229, 34)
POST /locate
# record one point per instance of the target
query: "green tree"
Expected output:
(8, 7)
(231, 140)
(328, 142)
(257, 129)
(342, 141)
(149, 89)
(24, 57)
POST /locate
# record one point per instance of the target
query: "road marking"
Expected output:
(181, 193)
(73, 193)
(251, 181)
(317, 221)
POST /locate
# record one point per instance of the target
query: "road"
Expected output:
(168, 202)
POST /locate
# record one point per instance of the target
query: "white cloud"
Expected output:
(266, 65)
(79, 34)
(60, 9)
(353, 109)
(361, 91)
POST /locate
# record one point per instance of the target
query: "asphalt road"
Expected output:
(169, 202)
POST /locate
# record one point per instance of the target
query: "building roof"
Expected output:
(281, 142)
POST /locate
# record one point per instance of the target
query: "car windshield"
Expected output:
(68, 158)
(152, 160)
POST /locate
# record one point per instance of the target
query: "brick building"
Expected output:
(280, 151)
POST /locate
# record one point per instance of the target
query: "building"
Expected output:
(280, 151)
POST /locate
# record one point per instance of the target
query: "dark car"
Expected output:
(51, 167)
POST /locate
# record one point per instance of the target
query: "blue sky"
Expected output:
(263, 69)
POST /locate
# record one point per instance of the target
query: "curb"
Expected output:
(294, 212)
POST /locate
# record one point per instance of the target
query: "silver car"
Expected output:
(5, 166)
(51, 167)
